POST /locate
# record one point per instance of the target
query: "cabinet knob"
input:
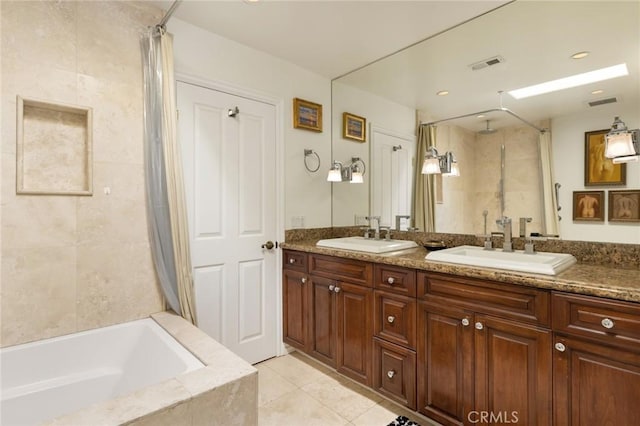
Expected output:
(391, 373)
(331, 287)
(391, 319)
(391, 280)
(479, 326)
(560, 347)
(607, 323)
(336, 289)
(303, 280)
(465, 321)
(292, 261)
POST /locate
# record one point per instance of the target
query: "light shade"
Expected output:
(335, 175)
(356, 177)
(431, 166)
(619, 145)
(571, 81)
(455, 171)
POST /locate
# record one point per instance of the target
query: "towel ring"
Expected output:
(307, 153)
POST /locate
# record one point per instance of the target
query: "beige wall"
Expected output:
(71, 263)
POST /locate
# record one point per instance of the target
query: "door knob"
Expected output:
(268, 245)
(465, 321)
(391, 373)
(391, 319)
(391, 280)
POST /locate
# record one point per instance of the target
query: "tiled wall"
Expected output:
(71, 263)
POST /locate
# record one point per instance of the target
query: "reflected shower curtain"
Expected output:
(423, 202)
(166, 213)
(549, 199)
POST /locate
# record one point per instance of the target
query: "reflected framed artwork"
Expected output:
(624, 206)
(307, 115)
(598, 169)
(354, 127)
(588, 206)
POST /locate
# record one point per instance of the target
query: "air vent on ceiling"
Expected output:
(603, 101)
(487, 63)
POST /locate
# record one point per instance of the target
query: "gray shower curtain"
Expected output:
(166, 213)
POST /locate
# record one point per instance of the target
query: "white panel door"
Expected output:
(392, 158)
(230, 181)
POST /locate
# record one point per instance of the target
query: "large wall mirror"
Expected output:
(519, 44)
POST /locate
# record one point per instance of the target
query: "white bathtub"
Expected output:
(49, 378)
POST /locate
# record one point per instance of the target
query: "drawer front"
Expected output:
(337, 268)
(395, 318)
(395, 279)
(395, 372)
(614, 321)
(510, 301)
(294, 260)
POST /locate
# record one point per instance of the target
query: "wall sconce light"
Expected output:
(444, 164)
(352, 172)
(621, 143)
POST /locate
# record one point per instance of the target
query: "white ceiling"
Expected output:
(535, 38)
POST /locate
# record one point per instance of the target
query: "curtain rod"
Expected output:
(502, 109)
(167, 15)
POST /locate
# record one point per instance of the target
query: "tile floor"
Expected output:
(297, 390)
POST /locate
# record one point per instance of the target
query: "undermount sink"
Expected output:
(368, 245)
(537, 263)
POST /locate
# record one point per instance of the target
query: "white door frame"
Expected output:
(278, 104)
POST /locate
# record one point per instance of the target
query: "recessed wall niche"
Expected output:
(54, 146)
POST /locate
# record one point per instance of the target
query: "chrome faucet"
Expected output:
(377, 228)
(505, 223)
(523, 226)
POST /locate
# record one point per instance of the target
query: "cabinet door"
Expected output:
(513, 371)
(445, 363)
(294, 308)
(322, 335)
(394, 372)
(355, 332)
(595, 384)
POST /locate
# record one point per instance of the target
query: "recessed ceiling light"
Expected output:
(580, 55)
(480, 116)
(597, 92)
(443, 93)
(571, 81)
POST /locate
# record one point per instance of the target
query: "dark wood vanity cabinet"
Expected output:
(457, 348)
(330, 314)
(483, 347)
(596, 359)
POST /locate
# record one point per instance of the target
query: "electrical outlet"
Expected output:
(297, 221)
(360, 220)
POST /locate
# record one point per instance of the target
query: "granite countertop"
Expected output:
(596, 280)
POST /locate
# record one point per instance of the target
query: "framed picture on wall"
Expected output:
(599, 170)
(624, 206)
(354, 127)
(588, 206)
(307, 115)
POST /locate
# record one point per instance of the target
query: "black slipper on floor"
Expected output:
(403, 421)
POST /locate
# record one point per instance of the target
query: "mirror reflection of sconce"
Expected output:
(308, 153)
(621, 143)
(445, 164)
(352, 172)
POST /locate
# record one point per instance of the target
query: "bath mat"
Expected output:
(403, 421)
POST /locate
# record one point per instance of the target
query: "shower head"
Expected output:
(488, 130)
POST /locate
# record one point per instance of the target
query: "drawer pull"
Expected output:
(332, 287)
(391, 319)
(292, 261)
(479, 326)
(560, 347)
(391, 373)
(303, 280)
(607, 323)
(465, 321)
(391, 280)
(337, 289)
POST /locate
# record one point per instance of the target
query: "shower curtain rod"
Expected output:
(503, 109)
(167, 15)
